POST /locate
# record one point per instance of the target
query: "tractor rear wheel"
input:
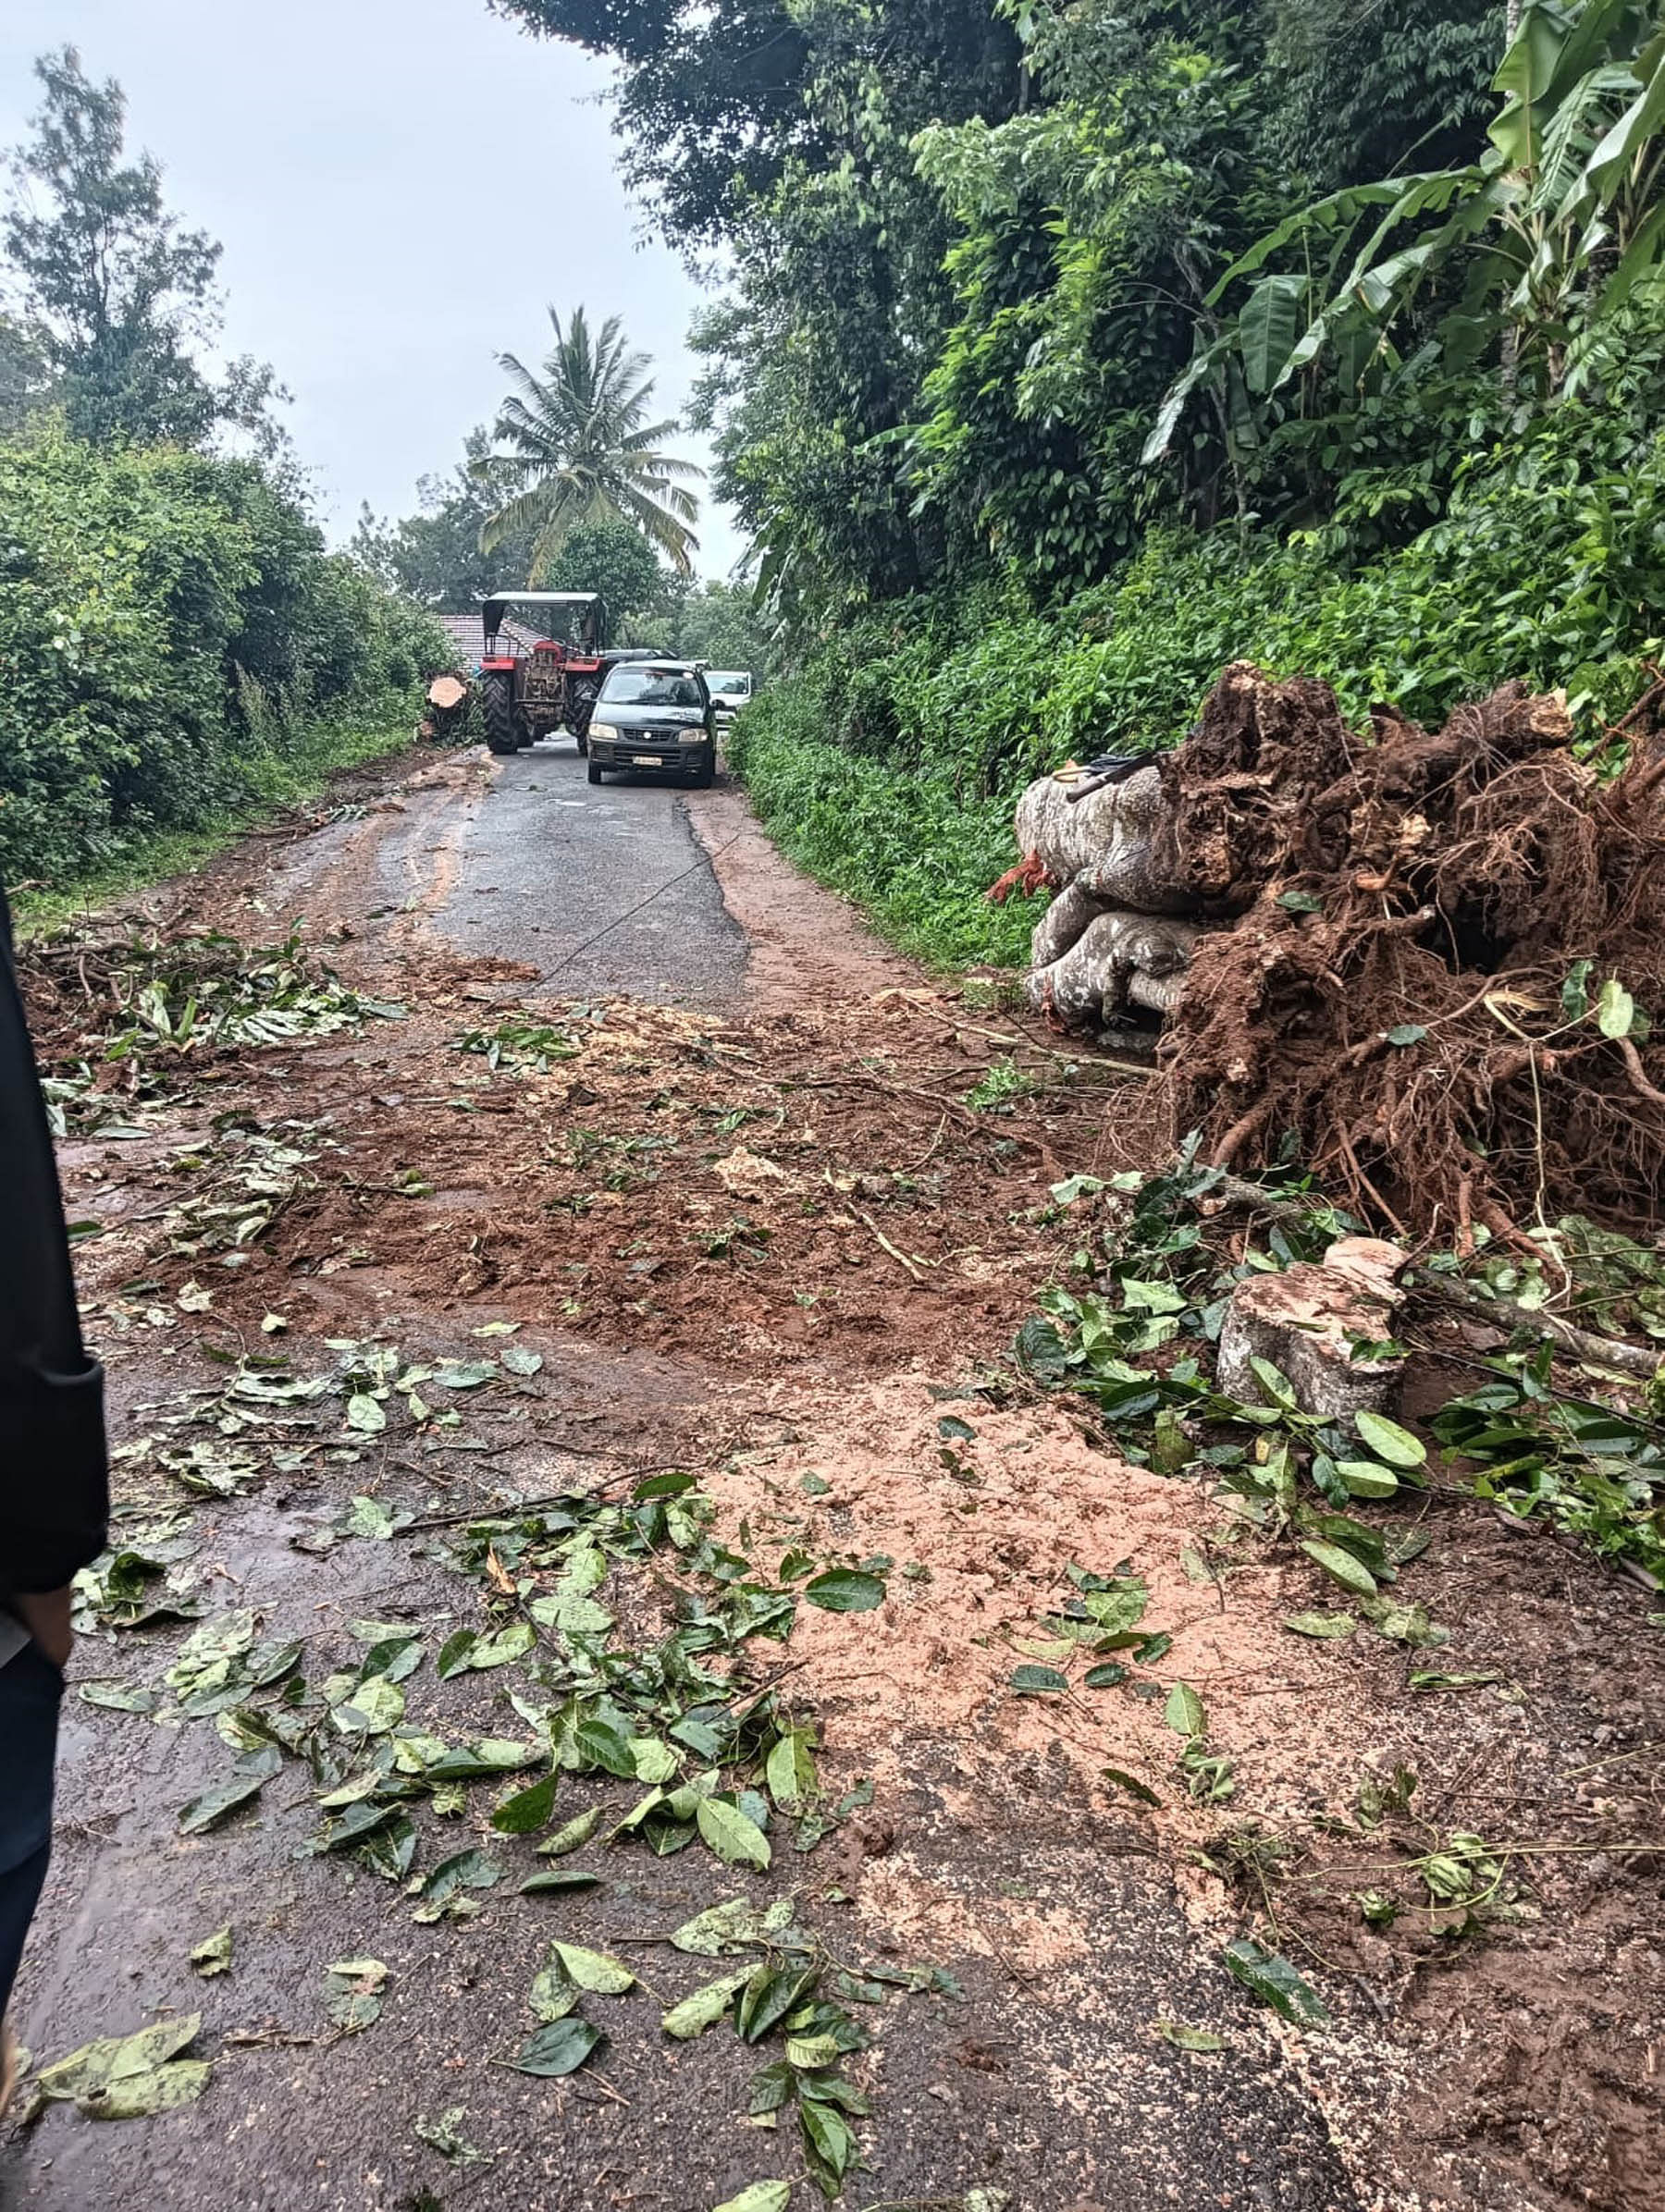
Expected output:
(580, 712)
(505, 723)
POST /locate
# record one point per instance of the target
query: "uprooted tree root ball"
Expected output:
(1428, 963)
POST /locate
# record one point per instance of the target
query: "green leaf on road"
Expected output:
(1615, 1009)
(829, 2141)
(790, 1771)
(1184, 1711)
(1038, 1681)
(375, 1708)
(1389, 1442)
(732, 1926)
(762, 2196)
(705, 2008)
(512, 1643)
(527, 1810)
(465, 1374)
(1329, 1627)
(845, 1590)
(1118, 1778)
(595, 1970)
(554, 1994)
(249, 1777)
(1341, 1566)
(558, 1878)
(463, 1871)
(1275, 1983)
(1364, 1479)
(559, 2049)
(352, 1990)
(128, 2077)
(212, 1955)
(369, 1517)
(736, 1840)
(573, 1836)
(365, 1414)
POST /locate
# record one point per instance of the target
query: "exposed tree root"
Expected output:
(1395, 982)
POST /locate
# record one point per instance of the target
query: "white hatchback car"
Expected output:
(731, 689)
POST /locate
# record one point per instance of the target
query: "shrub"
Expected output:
(890, 761)
(166, 619)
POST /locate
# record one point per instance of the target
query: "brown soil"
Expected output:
(811, 1247)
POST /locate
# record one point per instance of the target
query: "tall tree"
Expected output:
(580, 448)
(616, 560)
(116, 296)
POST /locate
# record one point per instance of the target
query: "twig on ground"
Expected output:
(913, 1267)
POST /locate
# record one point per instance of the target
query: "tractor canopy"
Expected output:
(539, 612)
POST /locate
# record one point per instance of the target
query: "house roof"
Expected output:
(468, 638)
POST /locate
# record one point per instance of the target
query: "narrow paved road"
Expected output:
(603, 889)
(1026, 2076)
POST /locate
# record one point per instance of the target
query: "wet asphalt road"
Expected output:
(603, 889)
(1042, 2094)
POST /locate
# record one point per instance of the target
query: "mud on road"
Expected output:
(628, 1159)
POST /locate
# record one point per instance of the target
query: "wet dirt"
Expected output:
(774, 1217)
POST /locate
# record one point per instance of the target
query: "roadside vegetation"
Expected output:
(1076, 351)
(181, 653)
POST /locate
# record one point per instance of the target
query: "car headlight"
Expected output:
(605, 731)
(693, 737)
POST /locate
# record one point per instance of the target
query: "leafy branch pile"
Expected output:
(1140, 1348)
(709, 1753)
(162, 1009)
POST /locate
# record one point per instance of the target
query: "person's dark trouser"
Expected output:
(31, 1689)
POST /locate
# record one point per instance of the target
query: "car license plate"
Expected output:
(646, 760)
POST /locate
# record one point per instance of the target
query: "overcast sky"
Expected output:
(401, 186)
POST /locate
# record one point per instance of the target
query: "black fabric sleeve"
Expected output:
(54, 1480)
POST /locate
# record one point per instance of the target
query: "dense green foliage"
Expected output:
(720, 623)
(177, 650)
(889, 764)
(1074, 348)
(171, 630)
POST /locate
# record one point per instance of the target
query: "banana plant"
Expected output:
(1553, 228)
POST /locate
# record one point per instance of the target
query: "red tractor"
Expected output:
(532, 685)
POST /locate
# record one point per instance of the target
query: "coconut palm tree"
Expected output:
(581, 449)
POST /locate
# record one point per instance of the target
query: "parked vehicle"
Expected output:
(731, 689)
(531, 685)
(655, 714)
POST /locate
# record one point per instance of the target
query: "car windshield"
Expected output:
(651, 687)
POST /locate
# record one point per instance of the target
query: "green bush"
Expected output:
(907, 845)
(171, 629)
(890, 761)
